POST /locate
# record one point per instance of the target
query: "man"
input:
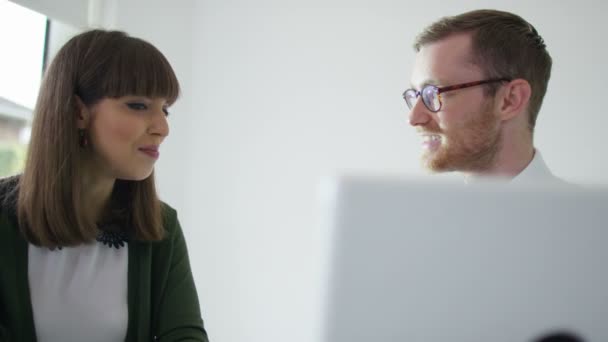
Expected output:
(482, 77)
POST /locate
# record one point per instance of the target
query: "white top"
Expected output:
(537, 172)
(79, 293)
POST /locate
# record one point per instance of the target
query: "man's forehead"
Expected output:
(444, 62)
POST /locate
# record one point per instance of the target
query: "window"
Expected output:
(23, 40)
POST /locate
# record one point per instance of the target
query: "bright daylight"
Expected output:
(22, 37)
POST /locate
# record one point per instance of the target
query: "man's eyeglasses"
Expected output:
(431, 95)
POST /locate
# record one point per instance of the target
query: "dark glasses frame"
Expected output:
(414, 94)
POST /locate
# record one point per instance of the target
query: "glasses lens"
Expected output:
(431, 98)
(410, 98)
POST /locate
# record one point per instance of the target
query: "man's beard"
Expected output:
(471, 147)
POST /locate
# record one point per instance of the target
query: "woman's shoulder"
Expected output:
(170, 220)
(169, 213)
(173, 234)
(8, 208)
(8, 194)
(8, 185)
(167, 210)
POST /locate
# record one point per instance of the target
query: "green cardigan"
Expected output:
(162, 299)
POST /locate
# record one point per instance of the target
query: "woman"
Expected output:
(87, 250)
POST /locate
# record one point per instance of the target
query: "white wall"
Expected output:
(290, 91)
(279, 93)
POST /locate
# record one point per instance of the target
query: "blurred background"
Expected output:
(277, 95)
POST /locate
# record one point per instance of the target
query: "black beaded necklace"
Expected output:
(113, 239)
(111, 233)
(116, 239)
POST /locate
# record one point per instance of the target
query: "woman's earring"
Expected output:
(82, 138)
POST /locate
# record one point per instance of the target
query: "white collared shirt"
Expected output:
(536, 172)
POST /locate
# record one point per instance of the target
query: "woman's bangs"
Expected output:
(140, 69)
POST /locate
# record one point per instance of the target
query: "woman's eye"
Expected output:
(137, 106)
(166, 110)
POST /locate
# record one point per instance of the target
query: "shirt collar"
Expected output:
(535, 171)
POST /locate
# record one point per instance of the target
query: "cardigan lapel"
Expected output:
(23, 299)
(139, 291)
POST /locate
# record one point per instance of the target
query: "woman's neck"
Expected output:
(96, 193)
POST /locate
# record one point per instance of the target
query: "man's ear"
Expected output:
(83, 114)
(514, 98)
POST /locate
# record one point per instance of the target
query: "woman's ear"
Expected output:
(514, 99)
(83, 114)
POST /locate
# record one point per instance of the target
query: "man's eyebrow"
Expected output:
(426, 82)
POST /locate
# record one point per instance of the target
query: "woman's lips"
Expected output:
(151, 151)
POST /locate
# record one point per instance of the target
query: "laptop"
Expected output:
(418, 261)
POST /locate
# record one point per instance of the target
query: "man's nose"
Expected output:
(419, 114)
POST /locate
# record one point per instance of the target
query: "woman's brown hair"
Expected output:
(91, 66)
